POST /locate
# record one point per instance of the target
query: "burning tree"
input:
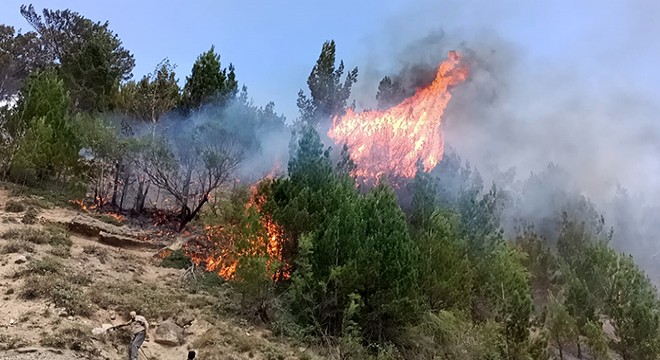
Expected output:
(390, 142)
(190, 166)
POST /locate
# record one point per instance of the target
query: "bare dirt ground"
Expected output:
(27, 323)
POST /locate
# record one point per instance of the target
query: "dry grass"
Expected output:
(152, 301)
(17, 246)
(31, 216)
(76, 338)
(14, 206)
(222, 336)
(8, 342)
(32, 235)
(48, 279)
(101, 253)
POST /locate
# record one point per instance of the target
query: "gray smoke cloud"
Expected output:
(576, 97)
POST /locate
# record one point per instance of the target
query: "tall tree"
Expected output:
(191, 165)
(329, 95)
(390, 93)
(562, 327)
(209, 82)
(91, 58)
(42, 130)
(20, 55)
(153, 96)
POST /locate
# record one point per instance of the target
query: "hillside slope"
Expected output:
(57, 286)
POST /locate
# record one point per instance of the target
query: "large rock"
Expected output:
(169, 333)
(88, 226)
(110, 234)
(126, 242)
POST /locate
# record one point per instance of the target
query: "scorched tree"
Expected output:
(190, 166)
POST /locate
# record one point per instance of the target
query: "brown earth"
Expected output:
(117, 272)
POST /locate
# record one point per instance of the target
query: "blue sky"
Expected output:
(273, 44)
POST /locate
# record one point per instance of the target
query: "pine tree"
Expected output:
(328, 95)
(209, 82)
(389, 93)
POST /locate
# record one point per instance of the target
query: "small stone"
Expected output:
(21, 259)
(70, 318)
(12, 321)
(112, 315)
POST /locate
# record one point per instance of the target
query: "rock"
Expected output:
(107, 326)
(12, 321)
(21, 259)
(70, 318)
(126, 241)
(112, 315)
(91, 227)
(169, 333)
(97, 331)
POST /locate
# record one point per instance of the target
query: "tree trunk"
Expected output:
(124, 189)
(141, 196)
(191, 215)
(579, 348)
(115, 186)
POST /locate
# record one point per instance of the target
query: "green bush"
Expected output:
(176, 260)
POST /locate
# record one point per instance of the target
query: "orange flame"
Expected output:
(223, 259)
(391, 141)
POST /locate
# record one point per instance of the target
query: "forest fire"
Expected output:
(392, 141)
(219, 249)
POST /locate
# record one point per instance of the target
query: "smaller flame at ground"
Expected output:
(216, 249)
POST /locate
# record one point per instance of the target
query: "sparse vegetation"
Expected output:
(31, 216)
(75, 338)
(176, 260)
(49, 279)
(9, 342)
(17, 246)
(151, 300)
(108, 219)
(14, 206)
(100, 252)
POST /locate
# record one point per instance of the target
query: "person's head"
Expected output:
(133, 315)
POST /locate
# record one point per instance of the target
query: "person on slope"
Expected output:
(140, 330)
